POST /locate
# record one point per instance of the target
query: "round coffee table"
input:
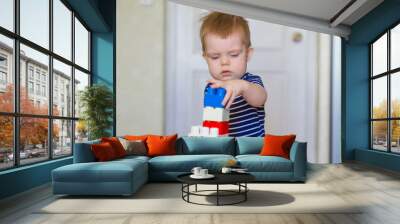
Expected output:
(238, 179)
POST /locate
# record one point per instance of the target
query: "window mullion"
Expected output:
(73, 82)
(50, 81)
(16, 83)
(389, 101)
(371, 142)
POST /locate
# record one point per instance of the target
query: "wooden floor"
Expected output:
(377, 188)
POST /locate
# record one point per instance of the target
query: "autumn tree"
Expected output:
(33, 131)
(380, 127)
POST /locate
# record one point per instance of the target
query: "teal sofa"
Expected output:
(125, 176)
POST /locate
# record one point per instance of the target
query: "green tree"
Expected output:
(97, 103)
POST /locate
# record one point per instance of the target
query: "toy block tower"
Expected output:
(215, 116)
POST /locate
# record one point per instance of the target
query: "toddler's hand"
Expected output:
(233, 88)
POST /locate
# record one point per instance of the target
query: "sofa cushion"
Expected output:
(116, 145)
(103, 152)
(133, 158)
(135, 147)
(249, 145)
(161, 145)
(277, 145)
(257, 163)
(185, 163)
(111, 171)
(136, 137)
(205, 145)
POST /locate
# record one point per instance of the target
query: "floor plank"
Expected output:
(376, 189)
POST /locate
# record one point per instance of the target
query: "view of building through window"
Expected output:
(385, 82)
(35, 119)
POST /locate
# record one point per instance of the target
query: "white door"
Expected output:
(282, 57)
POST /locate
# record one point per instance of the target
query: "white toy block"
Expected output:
(213, 132)
(205, 131)
(215, 114)
(199, 131)
(195, 131)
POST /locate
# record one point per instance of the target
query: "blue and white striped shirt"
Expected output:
(246, 120)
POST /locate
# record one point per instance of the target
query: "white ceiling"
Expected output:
(325, 16)
(321, 9)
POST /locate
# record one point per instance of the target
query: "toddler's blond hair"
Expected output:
(224, 25)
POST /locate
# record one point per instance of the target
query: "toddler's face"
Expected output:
(226, 58)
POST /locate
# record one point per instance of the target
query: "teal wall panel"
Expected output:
(357, 85)
(357, 99)
(24, 178)
(102, 58)
(103, 64)
(376, 158)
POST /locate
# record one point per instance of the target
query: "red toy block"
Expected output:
(223, 126)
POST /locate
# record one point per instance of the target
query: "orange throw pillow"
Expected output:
(136, 137)
(275, 145)
(103, 152)
(116, 145)
(161, 145)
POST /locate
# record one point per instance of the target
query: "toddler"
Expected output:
(226, 48)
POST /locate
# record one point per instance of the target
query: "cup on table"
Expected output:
(203, 172)
(226, 170)
(196, 171)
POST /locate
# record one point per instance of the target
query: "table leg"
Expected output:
(196, 188)
(245, 193)
(217, 194)
(188, 190)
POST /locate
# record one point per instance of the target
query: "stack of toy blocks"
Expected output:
(215, 116)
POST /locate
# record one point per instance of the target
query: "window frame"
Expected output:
(388, 74)
(16, 115)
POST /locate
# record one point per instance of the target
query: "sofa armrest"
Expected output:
(298, 155)
(83, 152)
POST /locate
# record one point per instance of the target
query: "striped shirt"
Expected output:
(246, 120)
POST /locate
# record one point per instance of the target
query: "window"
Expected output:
(385, 91)
(3, 72)
(62, 29)
(43, 90)
(81, 81)
(62, 74)
(43, 77)
(81, 45)
(38, 74)
(38, 89)
(3, 78)
(3, 61)
(34, 21)
(30, 72)
(7, 142)
(54, 126)
(6, 73)
(62, 140)
(7, 14)
(30, 87)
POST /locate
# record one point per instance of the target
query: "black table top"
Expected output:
(220, 178)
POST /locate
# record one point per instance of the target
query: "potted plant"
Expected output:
(96, 102)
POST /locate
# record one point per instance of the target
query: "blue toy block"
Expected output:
(213, 97)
